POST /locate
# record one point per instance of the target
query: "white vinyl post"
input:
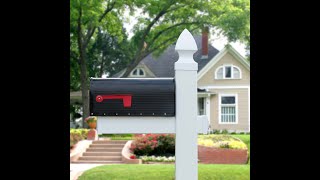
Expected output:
(186, 150)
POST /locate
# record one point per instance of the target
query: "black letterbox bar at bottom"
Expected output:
(132, 114)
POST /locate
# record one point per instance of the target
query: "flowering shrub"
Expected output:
(205, 142)
(91, 119)
(153, 144)
(77, 135)
(237, 145)
(221, 141)
(157, 159)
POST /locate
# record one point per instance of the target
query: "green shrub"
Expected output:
(213, 131)
(224, 131)
(217, 132)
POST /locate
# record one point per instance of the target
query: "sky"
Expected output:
(216, 41)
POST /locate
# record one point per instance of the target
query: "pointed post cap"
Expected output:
(186, 46)
(186, 42)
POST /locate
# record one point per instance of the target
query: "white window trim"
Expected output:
(223, 72)
(138, 69)
(236, 98)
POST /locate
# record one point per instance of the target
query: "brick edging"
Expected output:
(211, 155)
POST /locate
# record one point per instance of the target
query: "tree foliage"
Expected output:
(161, 22)
(108, 55)
(99, 43)
(85, 18)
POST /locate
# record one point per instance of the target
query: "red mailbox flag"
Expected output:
(126, 98)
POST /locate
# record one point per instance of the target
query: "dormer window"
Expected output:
(228, 72)
(138, 72)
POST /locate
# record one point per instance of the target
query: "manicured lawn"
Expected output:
(165, 172)
(118, 136)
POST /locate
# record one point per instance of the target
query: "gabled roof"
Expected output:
(163, 66)
(226, 49)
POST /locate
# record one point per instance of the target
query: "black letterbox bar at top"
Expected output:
(132, 97)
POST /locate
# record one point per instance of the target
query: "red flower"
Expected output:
(132, 156)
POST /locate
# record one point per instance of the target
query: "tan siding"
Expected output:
(242, 110)
(209, 78)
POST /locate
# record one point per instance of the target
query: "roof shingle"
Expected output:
(163, 66)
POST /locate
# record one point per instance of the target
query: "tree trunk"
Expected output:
(84, 86)
(101, 67)
(83, 71)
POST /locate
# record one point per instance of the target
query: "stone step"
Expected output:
(102, 154)
(101, 158)
(104, 149)
(110, 142)
(97, 162)
(106, 145)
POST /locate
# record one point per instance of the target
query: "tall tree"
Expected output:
(85, 18)
(108, 55)
(161, 22)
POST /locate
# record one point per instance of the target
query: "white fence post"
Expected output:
(186, 109)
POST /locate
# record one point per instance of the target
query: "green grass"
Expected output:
(165, 172)
(118, 136)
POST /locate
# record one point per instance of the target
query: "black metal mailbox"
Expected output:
(132, 97)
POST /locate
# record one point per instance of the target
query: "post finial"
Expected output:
(186, 46)
(186, 41)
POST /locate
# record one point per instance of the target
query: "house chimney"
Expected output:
(204, 45)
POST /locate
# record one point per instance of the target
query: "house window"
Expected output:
(228, 109)
(138, 72)
(201, 106)
(236, 73)
(228, 72)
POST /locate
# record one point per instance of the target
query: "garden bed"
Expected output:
(212, 149)
(221, 149)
